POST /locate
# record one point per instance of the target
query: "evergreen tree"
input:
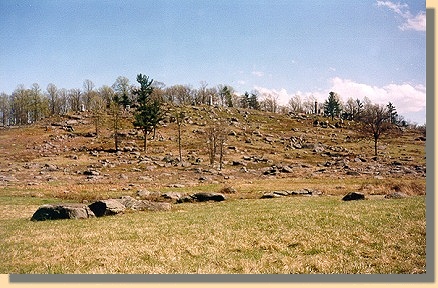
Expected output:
(332, 106)
(148, 112)
(392, 113)
(244, 100)
(254, 102)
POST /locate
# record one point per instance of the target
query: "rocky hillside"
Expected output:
(64, 157)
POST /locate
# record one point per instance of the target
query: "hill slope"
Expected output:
(263, 152)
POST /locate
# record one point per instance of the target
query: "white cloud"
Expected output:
(405, 97)
(412, 22)
(408, 99)
(258, 73)
(417, 23)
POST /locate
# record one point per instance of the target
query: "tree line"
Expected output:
(28, 105)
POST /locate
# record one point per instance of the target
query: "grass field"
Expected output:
(42, 163)
(285, 235)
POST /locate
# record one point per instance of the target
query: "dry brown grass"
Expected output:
(288, 235)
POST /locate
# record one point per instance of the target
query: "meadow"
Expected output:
(303, 235)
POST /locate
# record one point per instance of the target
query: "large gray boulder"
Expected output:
(107, 207)
(62, 211)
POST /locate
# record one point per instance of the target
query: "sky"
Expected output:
(367, 48)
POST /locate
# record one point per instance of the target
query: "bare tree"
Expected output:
(270, 102)
(88, 86)
(107, 94)
(309, 104)
(122, 88)
(216, 136)
(97, 107)
(375, 122)
(4, 108)
(179, 120)
(52, 92)
(74, 97)
(295, 104)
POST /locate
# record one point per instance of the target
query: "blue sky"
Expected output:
(355, 48)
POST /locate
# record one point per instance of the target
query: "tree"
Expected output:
(332, 106)
(4, 109)
(253, 102)
(392, 113)
(244, 100)
(309, 104)
(350, 109)
(52, 92)
(295, 104)
(74, 97)
(107, 94)
(97, 106)
(148, 112)
(270, 102)
(375, 122)
(216, 136)
(226, 94)
(179, 120)
(122, 88)
(88, 86)
(21, 105)
(115, 116)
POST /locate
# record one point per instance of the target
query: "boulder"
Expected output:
(107, 207)
(185, 199)
(396, 195)
(354, 196)
(152, 206)
(268, 195)
(286, 169)
(171, 195)
(205, 196)
(62, 211)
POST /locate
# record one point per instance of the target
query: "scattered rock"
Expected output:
(286, 169)
(228, 190)
(145, 194)
(62, 211)
(354, 196)
(91, 172)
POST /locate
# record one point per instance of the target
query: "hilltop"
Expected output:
(63, 157)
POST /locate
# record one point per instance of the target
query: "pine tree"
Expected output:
(148, 111)
(332, 107)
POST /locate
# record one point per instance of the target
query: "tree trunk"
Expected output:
(375, 146)
(145, 133)
(179, 142)
(221, 155)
